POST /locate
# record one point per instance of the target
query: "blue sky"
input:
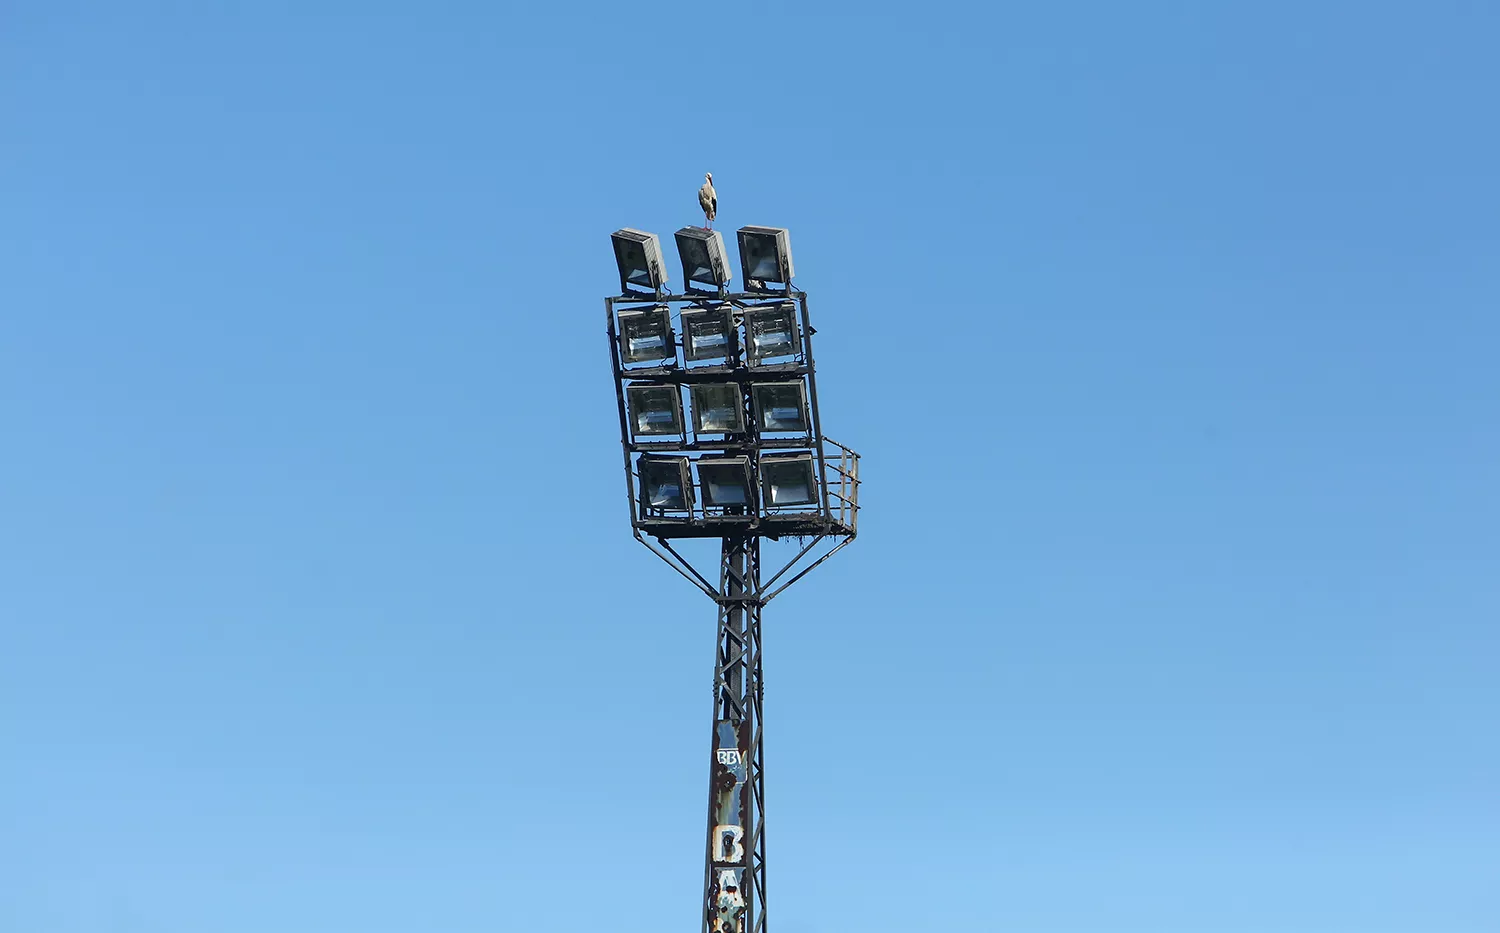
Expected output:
(1167, 332)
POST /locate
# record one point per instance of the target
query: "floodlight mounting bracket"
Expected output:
(693, 575)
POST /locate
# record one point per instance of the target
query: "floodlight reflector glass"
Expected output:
(707, 334)
(725, 481)
(638, 256)
(704, 259)
(772, 331)
(718, 409)
(654, 409)
(765, 254)
(666, 484)
(788, 479)
(646, 335)
(781, 406)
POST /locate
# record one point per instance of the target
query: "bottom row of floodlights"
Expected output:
(718, 408)
(785, 480)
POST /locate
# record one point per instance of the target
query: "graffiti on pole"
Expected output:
(727, 843)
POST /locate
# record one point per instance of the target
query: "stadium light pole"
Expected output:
(752, 433)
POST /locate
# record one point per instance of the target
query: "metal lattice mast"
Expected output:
(765, 471)
(734, 879)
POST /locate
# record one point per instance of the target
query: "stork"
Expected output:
(708, 199)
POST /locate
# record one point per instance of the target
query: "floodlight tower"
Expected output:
(765, 471)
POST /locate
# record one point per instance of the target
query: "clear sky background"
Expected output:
(1167, 330)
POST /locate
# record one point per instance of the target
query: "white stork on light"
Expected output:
(708, 199)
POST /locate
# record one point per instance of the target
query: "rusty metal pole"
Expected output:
(734, 874)
(755, 695)
(735, 866)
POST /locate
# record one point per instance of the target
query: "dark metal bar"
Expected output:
(769, 443)
(698, 375)
(698, 297)
(698, 577)
(810, 545)
(812, 391)
(706, 589)
(771, 526)
(756, 889)
(717, 528)
(614, 361)
(809, 569)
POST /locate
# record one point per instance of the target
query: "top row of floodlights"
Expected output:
(765, 259)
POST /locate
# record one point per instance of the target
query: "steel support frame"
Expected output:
(734, 875)
(734, 878)
(748, 443)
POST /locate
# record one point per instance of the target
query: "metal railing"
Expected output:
(843, 483)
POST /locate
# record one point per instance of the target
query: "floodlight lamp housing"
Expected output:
(718, 408)
(765, 256)
(666, 484)
(639, 258)
(708, 333)
(726, 482)
(646, 335)
(771, 331)
(781, 407)
(704, 259)
(788, 480)
(654, 410)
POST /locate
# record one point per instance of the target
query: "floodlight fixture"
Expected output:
(787, 480)
(765, 256)
(654, 410)
(781, 406)
(718, 409)
(725, 481)
(638, 254)
(666, 484)
(704, 259)
(708, 333)
(646, 335)
(771, 331)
